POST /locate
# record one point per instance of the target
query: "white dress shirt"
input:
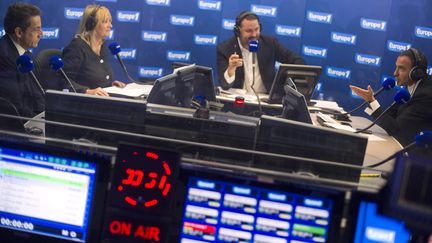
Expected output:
(247, 65)
(374, 105)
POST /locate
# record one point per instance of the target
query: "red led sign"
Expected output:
(139, 231)
(144, 177)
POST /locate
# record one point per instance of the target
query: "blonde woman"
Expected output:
(86, 58)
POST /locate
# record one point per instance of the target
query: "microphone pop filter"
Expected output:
(388, 84)
(24, 64)
(253, 46)
(402, 97)
(56, 63)
(424, 139)
(114, 48)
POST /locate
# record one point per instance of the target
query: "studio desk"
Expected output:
(206, 139)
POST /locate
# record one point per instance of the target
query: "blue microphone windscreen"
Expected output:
(114, 48)
(402, 96)
(24, 64)
(388, 84)
(56, 63)
(424, 139)
(253, 46)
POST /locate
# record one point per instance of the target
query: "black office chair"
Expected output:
(7, 123)
(49, 79)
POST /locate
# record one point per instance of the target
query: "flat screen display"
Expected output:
(46, 194)
(294, 106)
(373, 227)
(220, 211)
(300, 139)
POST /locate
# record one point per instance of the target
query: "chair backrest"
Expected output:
(10, 124)
(48, 78)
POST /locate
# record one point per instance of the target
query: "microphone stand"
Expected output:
(124, 69)
(253, 82)
(374, 122)
(67, 79)
(37, 82)
(356, 108)
(408, 147)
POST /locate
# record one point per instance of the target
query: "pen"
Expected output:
(370, 175)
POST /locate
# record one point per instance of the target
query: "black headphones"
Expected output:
(243, 15)
(417, 72)
(91, 19)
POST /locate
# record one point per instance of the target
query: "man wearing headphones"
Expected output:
(234, 60)
(405, 121)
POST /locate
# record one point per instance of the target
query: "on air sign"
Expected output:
(135, 230)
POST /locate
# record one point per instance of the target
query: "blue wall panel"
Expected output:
(356, 42)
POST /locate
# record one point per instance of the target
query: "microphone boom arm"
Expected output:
(67, 79)
(37, 82)
(124, 69)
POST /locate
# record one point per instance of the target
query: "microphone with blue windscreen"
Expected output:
(401, 97)
(388, 84)
(25, 65)
(115, 50)
(56, 64)
(422, 140)
(253, 48)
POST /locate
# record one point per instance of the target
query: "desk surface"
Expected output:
(377, 151)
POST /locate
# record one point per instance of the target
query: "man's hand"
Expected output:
(233, 63)
(98, 91)
(366, 94)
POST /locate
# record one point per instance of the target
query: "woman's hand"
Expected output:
(98, 91)
(118, 84)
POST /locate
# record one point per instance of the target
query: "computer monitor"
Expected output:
(367, 224)
(230, 206)
(305, 78)
(117, 114)
(50, 194)
(294, 106)
(180, 87)
(282, 136)
(408, 195)
(223, 129)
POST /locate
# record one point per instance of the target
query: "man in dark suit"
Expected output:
(405, 121)
(234, 60)
(22, 24)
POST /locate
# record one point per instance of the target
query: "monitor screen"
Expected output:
(220, 129)
(226, 210)
(50, 195)
(299, 139)
(118, 114)
(373, 227)
(294, 106)
(305, 78)
(180, 87)
(367, 223)
(409, 188)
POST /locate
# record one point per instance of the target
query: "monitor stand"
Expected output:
(271, 101)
